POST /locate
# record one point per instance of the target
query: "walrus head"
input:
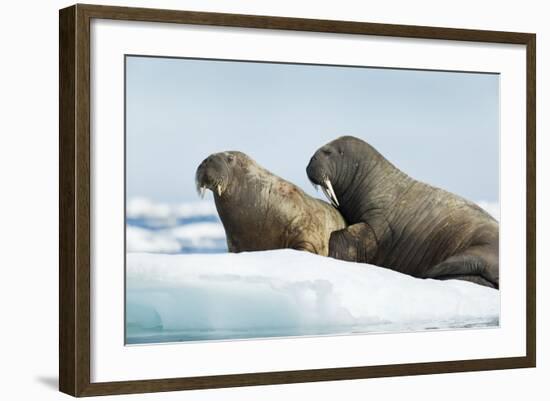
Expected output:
(333, 166)
(216, 172)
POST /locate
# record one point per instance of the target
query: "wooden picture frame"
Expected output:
(75, 208)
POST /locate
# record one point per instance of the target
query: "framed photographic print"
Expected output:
(251, 200)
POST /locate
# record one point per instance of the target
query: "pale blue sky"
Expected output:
(439, 127)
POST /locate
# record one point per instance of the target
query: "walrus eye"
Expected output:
(327, 152)
(230, 158)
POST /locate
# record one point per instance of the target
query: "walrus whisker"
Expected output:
(199, 187)
(314, 185)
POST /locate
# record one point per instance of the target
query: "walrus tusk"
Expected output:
(202, 190)
(331, 195)
(327, 195)
(219, 189)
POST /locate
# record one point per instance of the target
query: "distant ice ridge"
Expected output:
(188, 227)
(191, 238)
(173, 228)
(287, 292)
(145, 208)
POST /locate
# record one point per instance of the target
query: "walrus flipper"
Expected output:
(356, 243)
(473, 279)
(466, 267)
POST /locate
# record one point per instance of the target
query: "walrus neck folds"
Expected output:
(372, 184)
(244, 193)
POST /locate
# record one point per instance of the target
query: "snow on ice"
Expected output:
(287, 292)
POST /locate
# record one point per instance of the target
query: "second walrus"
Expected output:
(401, 223)
(260, 211)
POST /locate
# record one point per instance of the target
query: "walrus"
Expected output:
(397, 222)
(261, 211)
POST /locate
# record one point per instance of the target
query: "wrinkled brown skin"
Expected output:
(261, 211)
(401, 223)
